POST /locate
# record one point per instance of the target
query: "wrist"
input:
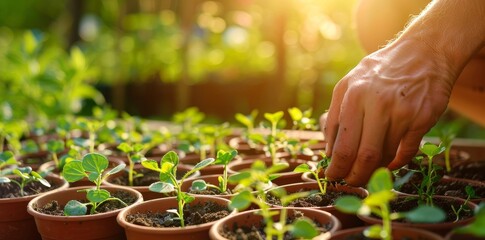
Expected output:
(453, 31)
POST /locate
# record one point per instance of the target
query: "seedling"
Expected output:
(256, 179)
(168, 180)
(430, 175)
(321, 166)
(6, 159)
(302, 120)
(55, 147)
(476, 227)
(377, 203)
(463, 207)
(248, 121)
(188, 118)
(92, 167)
(271, 140)
(223, 158)
(295, 147)
(26, 176)
(133, 152)
(91, 126)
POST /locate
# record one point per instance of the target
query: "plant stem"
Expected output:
(323, 189)
(283, 213)
(56, 160)
(386, 221)
(447, 159)
(429, 200)
(224, 179)
(130, 171)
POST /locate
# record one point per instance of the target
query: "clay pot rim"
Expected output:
(214, 231)
(64, 185)
(427, 233)
(36, 214)
(154, 230)
(331, 188)
(267, 161)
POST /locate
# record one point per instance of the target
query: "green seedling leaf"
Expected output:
(4, 180)
(138, 147)
(431, 150)
(186, 197)
(7, 158)
(402, 180)
(117, 169)
(274, 117)
(125, 147)
(236, 178)
(150, 164)
(241, 201)
(73, 171)
(202, 164)
(44, 182)
(224, 157)
(93, 176)
(476, 227)
(378, 198)
(21, 174)
(380, 181)
(470, 191)
(199, 185)
(348, 204)
(295, 113)
(278, 192)
(375, 232)
(95, 162)
(55, 146)
(302, 168)
(171, 157)
(425, 214)
(26, 170)
(304, 228)
(278, 167)
(97, 195)
(161, 187)
(167, 168)
(75, 208)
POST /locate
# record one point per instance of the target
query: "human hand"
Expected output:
(382, 108)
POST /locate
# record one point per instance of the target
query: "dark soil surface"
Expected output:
(53, 208)
(471, 170)
(194, 214)
(210, 191)
(447, 188)
(314, 200)
(407, 204)
(12, 190)
(257, 232)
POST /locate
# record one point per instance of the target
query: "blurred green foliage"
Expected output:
(305, 46)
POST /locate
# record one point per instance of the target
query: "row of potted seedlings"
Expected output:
(201, 197)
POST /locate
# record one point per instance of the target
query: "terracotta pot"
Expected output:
(287, 176)
(34, 160)
(459, 236)
(136, 232)
(147, 194)
(251, 218)
(15, 222)
(469, 170)
(110, 151)
(96, 226)
(397, 233)
(347, 220)
(51, 167)
(461, 184)
(440, 228)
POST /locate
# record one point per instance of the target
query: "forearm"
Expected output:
(454, 30)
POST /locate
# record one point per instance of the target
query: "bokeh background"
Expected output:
(153, 58)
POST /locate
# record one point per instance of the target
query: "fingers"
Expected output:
(369, 155)
(407, 149)
(329, 121)
(348, 138)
